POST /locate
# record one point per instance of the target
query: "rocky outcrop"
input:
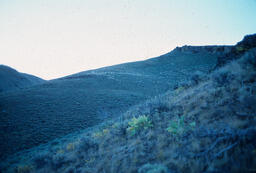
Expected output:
(225, 53)
(208, 49)
(248, 42)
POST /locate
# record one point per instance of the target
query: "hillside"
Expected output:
(10, 79)
(207, 124)
(35, 115)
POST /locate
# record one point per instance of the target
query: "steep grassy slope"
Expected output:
(208, 125)
(35, 115)
(11, 79)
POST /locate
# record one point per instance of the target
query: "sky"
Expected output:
(55, 38)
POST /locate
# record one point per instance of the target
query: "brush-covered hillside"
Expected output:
(38, 114)
(206, 124)
(10, 79)
(203, 122)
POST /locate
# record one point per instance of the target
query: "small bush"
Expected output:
(178, 127)
(86, 144)
(240, 49)
(102, 133)
(41, 159)
(60, 151)
(137, 124)
(197, 77)
(59, 161)
(222, 77)
(179, 90)
(70, 146)
(24, 169)
(97, 134)
(153, 168)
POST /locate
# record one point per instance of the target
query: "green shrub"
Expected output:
(241, 49)
(136, 124)
(153, 168)
(24, 169)
(70, 146)
(102, 133)
(178, 127)
(179, 90)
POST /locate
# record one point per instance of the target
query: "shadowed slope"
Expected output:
(41, 113)
(11, 79)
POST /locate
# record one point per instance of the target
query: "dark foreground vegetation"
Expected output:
(207, 124)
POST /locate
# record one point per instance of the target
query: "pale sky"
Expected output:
(54, 38)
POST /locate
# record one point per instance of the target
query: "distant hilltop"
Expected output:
(225, 53)
(209, 49)
(11, 79)
(248, 42)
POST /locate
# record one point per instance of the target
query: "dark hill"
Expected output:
(207, 124)
(10, 79)
(35, 115)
